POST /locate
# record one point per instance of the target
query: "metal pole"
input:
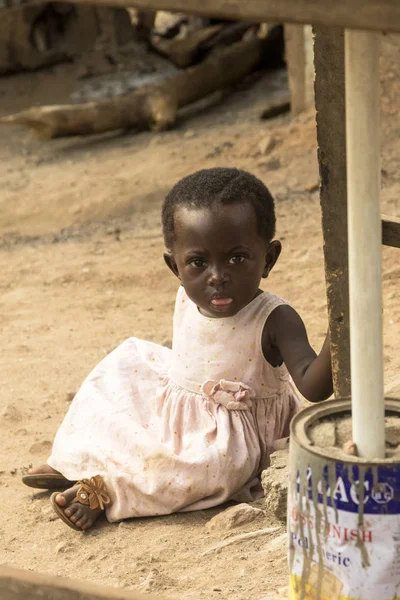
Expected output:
(365, 241)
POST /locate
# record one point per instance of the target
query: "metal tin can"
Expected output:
(343, 516)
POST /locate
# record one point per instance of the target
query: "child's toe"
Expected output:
(76, 513)
(65, 499)
(82, 522)
(71, 510)
(61, 501)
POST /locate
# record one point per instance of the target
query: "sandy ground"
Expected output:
(82, 269)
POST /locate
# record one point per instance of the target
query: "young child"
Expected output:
(154, 431)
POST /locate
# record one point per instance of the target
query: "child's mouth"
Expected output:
(221, 301)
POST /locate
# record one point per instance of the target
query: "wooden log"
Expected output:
(154, 107)
(183, 52)
(17, 584)
(391, 231)
(378, 15)
(331, 135)
(300, 66)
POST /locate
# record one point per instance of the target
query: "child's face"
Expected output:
(220, 257)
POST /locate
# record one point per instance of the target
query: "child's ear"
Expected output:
(273, 252)
(171, 263)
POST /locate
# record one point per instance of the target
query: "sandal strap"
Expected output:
(92, 492)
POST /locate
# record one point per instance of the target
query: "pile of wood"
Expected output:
(210, 55)
(38, 35)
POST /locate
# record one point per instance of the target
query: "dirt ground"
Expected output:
(82, 269)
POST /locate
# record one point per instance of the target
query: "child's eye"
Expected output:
(236, 260)
(199, 263)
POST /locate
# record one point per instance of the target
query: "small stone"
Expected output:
(150, 581)
(62, 547)
(189, 133)
(350, 448)
(274, 164)
(69, 396)
(11, 413)
(217, 150)
(235, 516)
(312, 187)
(49, 513)
(40, 447)
(124, 525)
(267, 144)
(275, 484)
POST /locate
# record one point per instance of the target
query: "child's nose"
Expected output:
(217, 277)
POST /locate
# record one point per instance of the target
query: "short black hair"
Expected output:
(209, 187)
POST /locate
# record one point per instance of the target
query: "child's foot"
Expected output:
(46, 478)
(80, 515)
(81, 505)
(43, 470)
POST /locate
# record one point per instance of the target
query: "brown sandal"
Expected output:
(91, 492)
(47, 481)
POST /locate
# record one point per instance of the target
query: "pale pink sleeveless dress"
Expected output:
(185, 429)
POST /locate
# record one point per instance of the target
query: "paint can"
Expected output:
(343, 512)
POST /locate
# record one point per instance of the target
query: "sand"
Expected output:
(82, 270)
(335, 437)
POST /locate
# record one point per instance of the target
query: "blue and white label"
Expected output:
(380, 493)
(357, 548)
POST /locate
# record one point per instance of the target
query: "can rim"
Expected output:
(305, 418)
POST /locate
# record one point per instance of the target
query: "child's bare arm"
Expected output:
(311, 373)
